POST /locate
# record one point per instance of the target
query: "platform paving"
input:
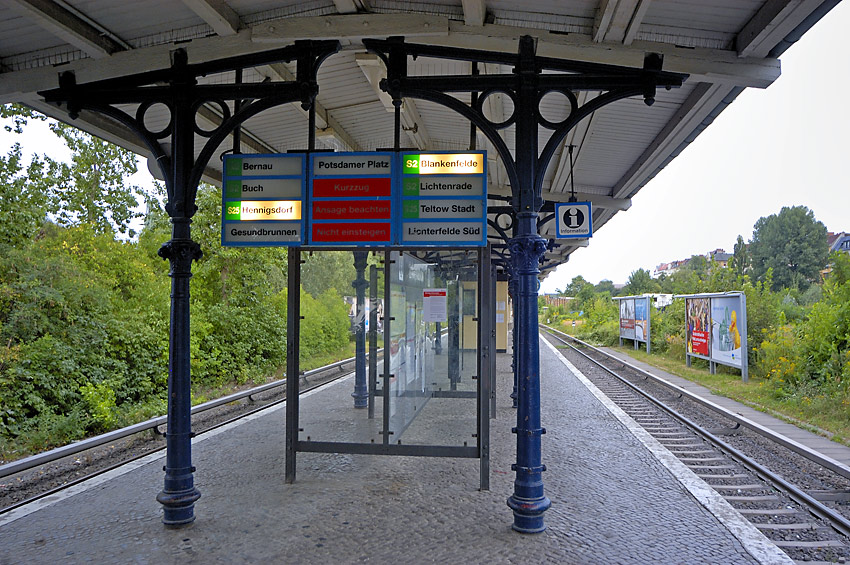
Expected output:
(814, 441)
(614, 500)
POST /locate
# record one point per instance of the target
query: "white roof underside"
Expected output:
(723, 45)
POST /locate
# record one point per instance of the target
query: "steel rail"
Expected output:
(798, 448)
(840, 523)
(153, 424)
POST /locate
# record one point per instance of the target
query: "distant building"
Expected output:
(669, 268)
(720, 257)
(556, 300)
(838, 241)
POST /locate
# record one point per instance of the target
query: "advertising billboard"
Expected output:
(725, 332)
(717, 329)
(627, 318)
(634, 319)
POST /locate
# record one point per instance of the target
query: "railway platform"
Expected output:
(616, 498)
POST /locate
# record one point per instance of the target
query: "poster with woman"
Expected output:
(725, 331)
(699, 325)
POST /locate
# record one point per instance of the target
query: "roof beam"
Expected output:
(496, 113)
(617, 21)
(412, 123)
(351, 6)
(324, 119)
(773, 22)
(218, 14)
(704, 65)
(63, 23)
(697, 107)
(576, 138)
(474, 12)
(350, 26)
(599, 201)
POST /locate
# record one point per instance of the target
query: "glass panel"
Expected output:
(433, 345)
(329, 331)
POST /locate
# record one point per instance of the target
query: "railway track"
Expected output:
(45, 474)
(791, 497)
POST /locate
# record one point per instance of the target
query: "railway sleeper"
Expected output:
(752, 499)
(830, 495)
(768, 511)
(809, 544)
(753, 486)
(692, 467)
(687, 460)
(797, 526)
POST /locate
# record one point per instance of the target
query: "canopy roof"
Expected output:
(723, 46)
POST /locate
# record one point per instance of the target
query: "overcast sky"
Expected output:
(781, 146)
(786, 145)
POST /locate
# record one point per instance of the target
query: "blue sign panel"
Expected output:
(444, 199)
(262, 200)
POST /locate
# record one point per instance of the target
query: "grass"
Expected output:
(827, 415)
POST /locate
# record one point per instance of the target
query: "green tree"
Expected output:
(92, 189)
(24, 195)
(699, 265)
(740, 261)
(823, 341)
(325, 270)
(640, 282)
(605, 286)
(792, 244)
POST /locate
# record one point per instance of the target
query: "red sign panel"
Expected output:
(351, 188)
(352, 210)
(699, 342)
(352, 232)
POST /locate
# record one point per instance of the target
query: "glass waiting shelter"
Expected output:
(428, 326)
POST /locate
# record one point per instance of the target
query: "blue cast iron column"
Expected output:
(527, 501)
(512, 294)
(179, 494)
(361, 390)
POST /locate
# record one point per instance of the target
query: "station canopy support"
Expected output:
(173, 148)
(532, 77)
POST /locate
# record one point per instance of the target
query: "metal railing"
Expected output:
(152, 424)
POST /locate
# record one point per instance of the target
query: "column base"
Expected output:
(179, 507)
(528, 514)
(360, 400)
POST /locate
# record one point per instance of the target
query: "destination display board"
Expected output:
(262, 200)
(355, 199)
(444, 199)
(351, 199)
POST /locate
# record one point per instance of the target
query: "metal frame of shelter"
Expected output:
(520, 254)
(364, 394)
